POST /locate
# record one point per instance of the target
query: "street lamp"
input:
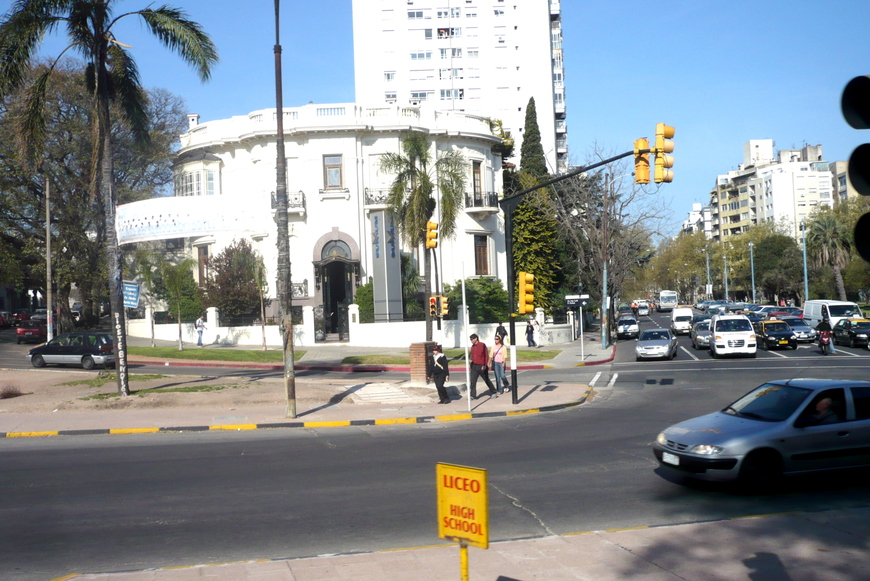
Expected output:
(708, 292)
(725, 260)
(804, 244)
(752, 269)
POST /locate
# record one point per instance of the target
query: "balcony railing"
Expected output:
(295, 202)
(376, 197)
(486, 202)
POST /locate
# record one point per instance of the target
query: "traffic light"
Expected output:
(526, 290)
(856, 109)
(431, 234)
(444, 307)
(664, 146)
(641, 161)
(433, 306)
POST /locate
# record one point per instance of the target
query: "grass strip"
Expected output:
(225, 354)
(145, 392)
(111, 377)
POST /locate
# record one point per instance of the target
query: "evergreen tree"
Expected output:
(535, 232)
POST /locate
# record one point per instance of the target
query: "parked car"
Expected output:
(774, 334)
(781, 427)
(39, 315)
(5, 319)
(853, 332)
(20, 315)
(87, 349)
(802, 331)
(627, 328)
(31, 332)
(656, 344)
(700, 334)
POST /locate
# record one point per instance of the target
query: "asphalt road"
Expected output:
(108, 503)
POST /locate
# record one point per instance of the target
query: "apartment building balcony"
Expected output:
(295, 202)
(481, 203)
(561, 146)
(375, 198)
(561, 127)
(555, 9)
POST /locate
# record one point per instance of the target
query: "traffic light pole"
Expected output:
(508, 205)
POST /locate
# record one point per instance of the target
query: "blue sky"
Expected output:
(721, 71)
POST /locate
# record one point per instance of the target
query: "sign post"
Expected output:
(463, 510)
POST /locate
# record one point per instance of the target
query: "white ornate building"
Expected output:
(340, 234)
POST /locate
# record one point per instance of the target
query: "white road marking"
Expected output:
(689, 353)
(612, 380)
(594, 379)
(775, 353)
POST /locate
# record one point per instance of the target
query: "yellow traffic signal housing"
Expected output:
(855, 104)
(445, 307)
(641, 161)
(431, 234)
(664, 146)
(526, 290)
(433, 306)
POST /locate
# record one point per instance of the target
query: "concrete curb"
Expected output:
(608, 360)
(313, 424)
(347, 368)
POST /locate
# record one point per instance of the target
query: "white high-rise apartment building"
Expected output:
(482, 57)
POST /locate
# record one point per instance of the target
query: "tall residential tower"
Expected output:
(486, 58)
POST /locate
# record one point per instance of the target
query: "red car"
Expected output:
(19, 316)
(31, 331)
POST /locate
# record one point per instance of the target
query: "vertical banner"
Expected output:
(387, 271)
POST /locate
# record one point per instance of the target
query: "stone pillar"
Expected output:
(420, 354)
(353, 322)
(307, 326)
(212, 322)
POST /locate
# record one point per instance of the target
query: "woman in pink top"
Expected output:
(498, 362)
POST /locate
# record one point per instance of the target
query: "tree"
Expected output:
(532, 160)
(829, 242)
(112, 78)
(232, 284)
(179, 290)
(144, 266)
(487, 299)
(365, 298)
(411, 200)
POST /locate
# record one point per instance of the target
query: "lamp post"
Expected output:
(804, 244)
(708, 292)
(752, 269)
(725, 271)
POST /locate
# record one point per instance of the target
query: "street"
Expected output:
(103, 503)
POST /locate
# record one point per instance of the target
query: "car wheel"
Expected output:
(18, 341)
(37, 361)
(637, 358)
(761, 470)
(795, 346)
(852, 342)
(88, 362)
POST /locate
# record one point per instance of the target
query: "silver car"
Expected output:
(802, 331)
(782, 427)
(656, 344)
(700, 335)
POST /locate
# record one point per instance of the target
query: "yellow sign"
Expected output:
(463, 510)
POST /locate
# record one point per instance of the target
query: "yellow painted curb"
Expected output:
(454, 417)
(30, 434)
(336, 424)
(396, 421)
(234, 427)
(134, 430)
(626, 529)
(522, 412)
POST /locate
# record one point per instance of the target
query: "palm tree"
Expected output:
(830, 242)
(175, 278)
(112, 78)
(411, 198)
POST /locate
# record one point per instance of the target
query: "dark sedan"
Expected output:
(851, 332)
(775, 334)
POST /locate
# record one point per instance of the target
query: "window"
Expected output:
(472, 53)
(419, 95)
(390, 76)
(452, 94)
(196, 182)
(202, 263)
(423, 55)
(332, 178)
(475, 179)
(427, 34)
(498, 12)
(415, 14)
(450, 74)
(450, 53)
(390, 96)
(449, 32)
(481, 255)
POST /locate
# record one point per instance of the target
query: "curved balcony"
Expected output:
(376, 198)
(481, 203)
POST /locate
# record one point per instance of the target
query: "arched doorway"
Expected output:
(335, 273)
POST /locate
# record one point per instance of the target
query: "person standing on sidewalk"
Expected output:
(440, 372)
(501, 332)
(480, 366)
(499, 363)
(200, 327)
(530, 334)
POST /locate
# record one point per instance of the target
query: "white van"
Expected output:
(817, 310)
(731, 335)
(681, 320)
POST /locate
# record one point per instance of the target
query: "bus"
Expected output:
(667, 301)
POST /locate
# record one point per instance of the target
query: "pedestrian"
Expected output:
(536, 326)
(480, 366)
(530, 334)
(502, 332)
(499, 363)
(200, 327)
(440, 372)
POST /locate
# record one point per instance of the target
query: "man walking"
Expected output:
(440, 372)
(200, 327)
(480, 367)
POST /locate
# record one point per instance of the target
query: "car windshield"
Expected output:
(769, 403)
(705, 326)
(733, 325)
(683, 318)
(777, 327)
(654, 336)
(844, 310)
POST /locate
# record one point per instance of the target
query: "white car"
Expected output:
(642, 308)
(627, 328)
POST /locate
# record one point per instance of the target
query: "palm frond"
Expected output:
(20, 35)
(31, 123)
(187, 38)
(128, 92)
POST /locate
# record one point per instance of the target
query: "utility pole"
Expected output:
(752, 268)
(709, 290)
(725, 272)
(50, 319)
(284, 286)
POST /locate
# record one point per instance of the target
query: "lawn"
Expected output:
(452, 355)
(194, 354)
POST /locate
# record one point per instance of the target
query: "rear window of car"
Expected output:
(683, 318)
(30, 325)
(627, 322)
(704, 326)
(653, 336)
(777, 327)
